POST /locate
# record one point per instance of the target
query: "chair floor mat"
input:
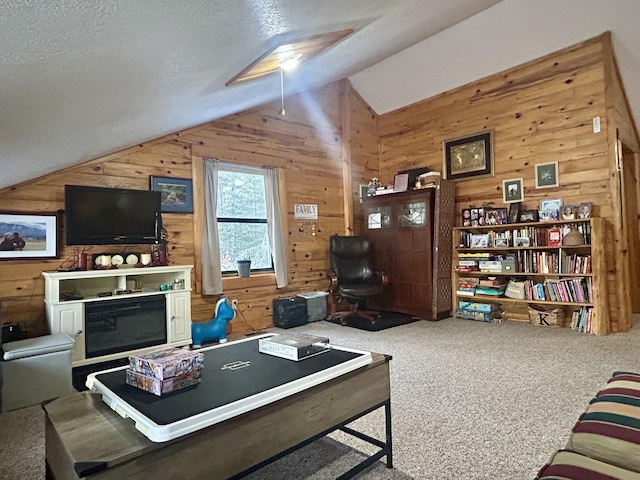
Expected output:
(381, 320)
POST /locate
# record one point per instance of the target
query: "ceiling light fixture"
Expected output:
(275, 58)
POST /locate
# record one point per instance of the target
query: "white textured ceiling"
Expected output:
(80, 79)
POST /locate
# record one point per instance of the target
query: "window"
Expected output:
(242, 219)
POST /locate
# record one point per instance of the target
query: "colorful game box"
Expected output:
(160, 387)
(167, 363)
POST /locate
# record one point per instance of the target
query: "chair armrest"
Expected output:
(384, 278)
(334, 282)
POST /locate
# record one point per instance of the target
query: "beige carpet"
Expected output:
(470, 401)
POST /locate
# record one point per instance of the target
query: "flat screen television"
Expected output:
(111, 216)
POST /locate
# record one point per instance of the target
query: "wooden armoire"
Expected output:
(410, 235)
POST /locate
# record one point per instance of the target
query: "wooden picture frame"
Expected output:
(401, 182)
(547, 175)
(30, 235)
(512, 190)
(468, 157)
(177, 193)
(514, 212)
(496, 216)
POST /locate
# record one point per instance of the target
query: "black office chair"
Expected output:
(352, 277)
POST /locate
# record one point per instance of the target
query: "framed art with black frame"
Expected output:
(176, 194)
(30, 235)
(514, 212)
(468, 157)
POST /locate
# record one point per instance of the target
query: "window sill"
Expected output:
(261, 279)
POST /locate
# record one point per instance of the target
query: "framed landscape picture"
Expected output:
(468, 157)
(30, 235)
(177, 193)
(547, 175)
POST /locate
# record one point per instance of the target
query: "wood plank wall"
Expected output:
(305, 144)
(538, 112)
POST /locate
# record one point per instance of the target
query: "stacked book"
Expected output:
(494, 266)
(467, 285)
(492, 286)
(164, 371)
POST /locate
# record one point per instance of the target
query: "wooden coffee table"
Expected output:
(86, 439)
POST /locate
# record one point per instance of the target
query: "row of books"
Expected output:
(572, 290)
(581, 319)
(551, 262)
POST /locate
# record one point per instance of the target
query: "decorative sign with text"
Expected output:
(306, 211)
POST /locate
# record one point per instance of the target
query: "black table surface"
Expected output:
(222, 385)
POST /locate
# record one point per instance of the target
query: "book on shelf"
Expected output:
(492, 281)
(494, 291)
(464, 293)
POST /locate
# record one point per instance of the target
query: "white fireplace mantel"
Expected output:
(66, 294)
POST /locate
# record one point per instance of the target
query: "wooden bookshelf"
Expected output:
(572, 265)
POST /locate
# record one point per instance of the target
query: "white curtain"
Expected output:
(211, 270)
(274, 224)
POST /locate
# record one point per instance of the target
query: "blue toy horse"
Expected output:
(216, 329)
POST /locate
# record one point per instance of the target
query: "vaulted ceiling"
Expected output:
(80, 79)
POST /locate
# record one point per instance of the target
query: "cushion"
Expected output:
(609, 429)
(568, 465)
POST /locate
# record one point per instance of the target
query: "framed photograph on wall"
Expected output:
(512, 190)
(547, 175)
(177, 193)
(468, 157)
(30, 235)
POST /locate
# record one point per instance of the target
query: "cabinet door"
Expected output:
(179, 316)
(69, 319)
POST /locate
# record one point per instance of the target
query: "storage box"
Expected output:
(160, 387)
(289, 312)
(316, 305)
(476, 315)
(294, 347)
(167, 363)
(551, 317)
(477, 306)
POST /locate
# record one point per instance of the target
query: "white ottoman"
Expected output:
(35, 370)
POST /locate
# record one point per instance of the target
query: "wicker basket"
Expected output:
(552, 317)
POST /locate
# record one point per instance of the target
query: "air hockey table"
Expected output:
(249, 410)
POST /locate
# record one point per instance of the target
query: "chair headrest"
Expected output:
(349, 246)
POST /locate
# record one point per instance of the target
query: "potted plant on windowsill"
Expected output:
(244, 267)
